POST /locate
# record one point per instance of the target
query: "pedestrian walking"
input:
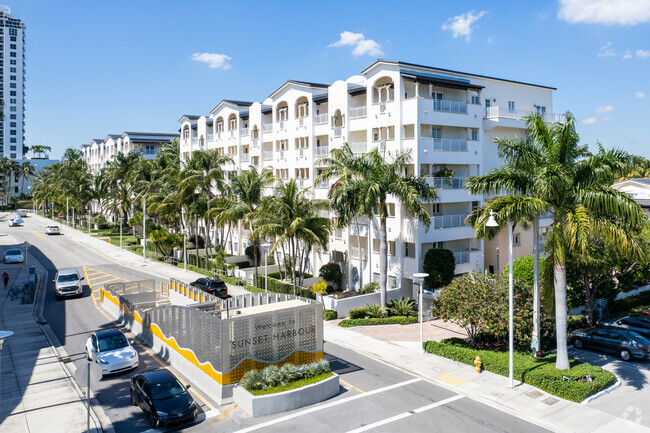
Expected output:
(5, 278)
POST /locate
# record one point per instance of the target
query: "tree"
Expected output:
(523, 269)
(440, 264)
(370, 180)
(38, 150)
(550, 172)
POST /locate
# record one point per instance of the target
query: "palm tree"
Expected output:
(372, 179)
(7, 168)
(550, 171)
(293, 220)
(26, 170)
(39, 150)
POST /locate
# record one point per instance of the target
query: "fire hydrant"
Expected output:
(110, 241)
(477, 363)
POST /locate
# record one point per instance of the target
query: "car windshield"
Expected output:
(112, 342)
(13, 252)
(636, 336)
(215, 285)
(66, 278)
(166, 389)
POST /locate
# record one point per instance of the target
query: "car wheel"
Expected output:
(577, 343)
(152, 421)
(625, 355)
(133, 402)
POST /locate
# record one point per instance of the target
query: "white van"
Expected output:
(22, 212)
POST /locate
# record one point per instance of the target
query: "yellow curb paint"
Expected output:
(351, 386)
(450, 379)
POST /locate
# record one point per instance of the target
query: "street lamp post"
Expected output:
(144, 222)
(73, 217)
(266, 248)
(498, 268)
(121, 219)
(67, 212)
(493, 223)
(419, 277)
(185, 232)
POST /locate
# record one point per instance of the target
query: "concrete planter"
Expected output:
(260, 405)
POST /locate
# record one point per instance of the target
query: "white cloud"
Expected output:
(606, 50)
(643, 53)
(461, 25)
(589, 120)
(490, 40)
(605, 109)
(639, 95)
(627, 55)
(215, 61)
(360, 43)
(610, 12)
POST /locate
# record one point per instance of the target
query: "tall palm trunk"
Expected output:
(356, 222)
(196, 241)
(383, 260)
(559, 282)
(292, 262)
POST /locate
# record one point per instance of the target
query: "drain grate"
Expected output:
(550, 401)
(534, 394)
(65, 360)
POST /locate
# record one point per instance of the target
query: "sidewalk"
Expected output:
(37, 394)
(524, 401)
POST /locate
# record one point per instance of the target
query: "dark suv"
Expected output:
(163, 398)
(626, 344)
(213, 286)
(640, 325)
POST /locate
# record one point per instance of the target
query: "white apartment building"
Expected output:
(12, 84)
(101, 151)
(447, 120)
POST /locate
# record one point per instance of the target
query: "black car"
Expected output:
(213, 286)
(626, 344)
(163, 398)
(640, 325)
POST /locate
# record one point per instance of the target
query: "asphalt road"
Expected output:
(374, 396)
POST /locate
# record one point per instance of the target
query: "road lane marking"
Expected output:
(405, 415)
(52, 244)
(38, 235)
(67, 254)
(450, 379)
(109, 279)
(350, 385)
(95, 298)
(327, 405)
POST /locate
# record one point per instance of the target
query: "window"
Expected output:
(436, 95)
(14, 149)
(12, 140)
(13, 32)
(511, 106)
(475, 100)
(13, 155)
(12, 85)
(515, 239)
(12, 77)
(13, 70)
(12, 132)
(12, 108)
(13, 93)
(12, 124)
(12, 100)
(12, 62)
(435, 208)
(12, 46)
(409, 249)
(12, 54)
(435, 133)
(13, 116)
(474, 134)
(391, 247)
(541, 110)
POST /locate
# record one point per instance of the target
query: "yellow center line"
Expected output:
(67, 254)
(52, 244)
(351, 386)
(135, 339)
(38, 235)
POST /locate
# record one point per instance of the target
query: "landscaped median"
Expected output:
(395, 320)
(573, 384)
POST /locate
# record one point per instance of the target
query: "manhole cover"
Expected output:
(534, 394)
(550, 401)
(497, 394)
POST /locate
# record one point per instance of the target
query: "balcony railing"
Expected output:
(209, 137)
(450, 106)
(337, 131)
(322, 185)
(245, 157)
(461, 257)
(320, 151)
(321, 118)
(450, 144)
(268, 127)
(244, 131)
(267, 155)
(358, 112)
(382, 108)
(504, 113)
(301, 121)
(354, 252)
(447, 182)
(448, 221)
(281, 125)
(359, 147)
(195, 140)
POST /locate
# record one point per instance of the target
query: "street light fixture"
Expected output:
(493, 223)
(144, 222)
(419, 277)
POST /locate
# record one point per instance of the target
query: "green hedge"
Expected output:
(242, 265)
(293, 384)
(357, 313)
(233, 280)
(282, 287)
(254, 289)
(576, 321)
(330, 314)
(538, 372)
(396, 320)
(632, 304)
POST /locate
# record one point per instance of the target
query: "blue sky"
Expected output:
(100, 67)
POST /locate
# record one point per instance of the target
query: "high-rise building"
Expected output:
(12, 84)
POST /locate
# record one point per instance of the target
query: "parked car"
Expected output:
(112, 351)
(52, 230)
(14, 255)
(163, 398)
(640, 325)
(626, 344)
(213, 286)
(67, 282)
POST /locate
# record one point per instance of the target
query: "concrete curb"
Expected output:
(97, 412)
(603, 392)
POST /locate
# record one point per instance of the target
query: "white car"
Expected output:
(14, 255)
(112, 351)
(52, 230)
(16, 222)
(67, 282)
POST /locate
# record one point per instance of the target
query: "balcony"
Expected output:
(461, 257)
(301, 122)
(320, 119)
(447, 182)
(195, 140)
(209, 137)
(322, 185)
(447, 221)
(244, 131)
(354, 252)
(337, 131)
(359, 147)
(267, 127)
(282, 125)
(267, 155)
(450, 144)
(245, 157)
(358, 112)
(448, 106)
(320, 151)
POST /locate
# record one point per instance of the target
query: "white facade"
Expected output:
(12, 84)
(101, 151)
(447, 119)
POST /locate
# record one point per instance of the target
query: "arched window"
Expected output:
(219, 124)
(302, 107)
(256, 132)
(186, 132)
(232, 122)
(282, 112)
(337, 119)
(383, 90)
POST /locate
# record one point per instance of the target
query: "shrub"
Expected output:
(320, 287)
(440, 264)
(331, 272)
(233, 280)
(281, 287)
(273, 376)
(403, 307)
(371, 287)
(250, 250)
(330, 315)
(395, 320)
(357, 313)
(375, 311)
(252, 380)
(538, 372)
(100, 220)
(242, 265)
(330, 289)
(523, 268)
(627, 305)
(576, 321)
